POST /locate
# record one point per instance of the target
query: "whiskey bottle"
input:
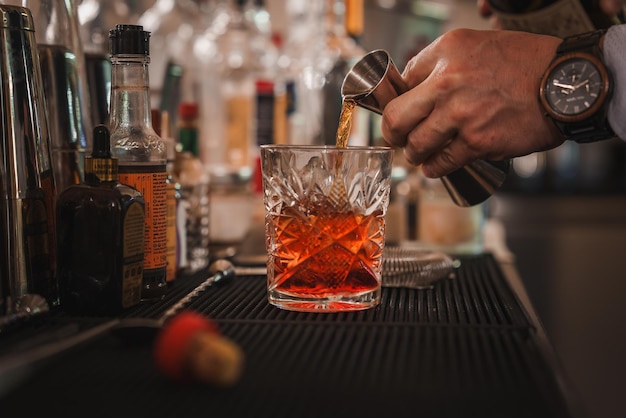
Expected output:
(100, 232)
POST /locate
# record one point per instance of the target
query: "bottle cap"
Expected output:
(188, 110)
(129, 39)
(101, 142)
(264, 86)
(101, 164)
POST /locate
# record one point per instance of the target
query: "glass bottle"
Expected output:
(194, 180)
(95, 17)
(344, 25)
(174, 25)
(141, 152)
(188, 127)
(195, 199)
(238, 90)
(100, 230)
(270, 85)
(305, 60)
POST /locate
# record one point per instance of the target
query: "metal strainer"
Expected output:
(416, 268)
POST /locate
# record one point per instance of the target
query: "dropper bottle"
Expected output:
(100, 232)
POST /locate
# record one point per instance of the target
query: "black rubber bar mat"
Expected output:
(465, 348)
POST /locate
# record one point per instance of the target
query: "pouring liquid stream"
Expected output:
(338, 193)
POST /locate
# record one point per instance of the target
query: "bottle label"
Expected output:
(265, 108)
(172, 258)
(181, 230)
(281, 123)
(562, 18)
(238, 128)
(150, 180)
(132, 271)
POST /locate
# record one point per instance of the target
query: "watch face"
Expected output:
(574, 88)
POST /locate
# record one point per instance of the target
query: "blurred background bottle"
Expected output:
(304, 61)
(174, 26)
(344, 26)
(194, 181)
(270, 85)
(95, 18)
(238, 91)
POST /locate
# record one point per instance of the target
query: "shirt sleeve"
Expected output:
(614, 51)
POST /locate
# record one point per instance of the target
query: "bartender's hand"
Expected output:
(473, 95)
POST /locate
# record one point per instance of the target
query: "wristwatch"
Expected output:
(576, 88)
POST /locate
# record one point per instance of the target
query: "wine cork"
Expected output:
(190, 348)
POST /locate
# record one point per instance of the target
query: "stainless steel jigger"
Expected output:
(374, 81)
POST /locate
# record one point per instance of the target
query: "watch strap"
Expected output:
(584, 42)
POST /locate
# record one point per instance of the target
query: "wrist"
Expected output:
(576, 89)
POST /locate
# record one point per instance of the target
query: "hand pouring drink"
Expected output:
(374, 81)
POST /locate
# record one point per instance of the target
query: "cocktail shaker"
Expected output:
(62, 62)
(374, 81)
(27, 184)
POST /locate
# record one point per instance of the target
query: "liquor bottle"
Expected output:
(271, 98)
(173, 27)
(141, 152)
(94, 18)
(553, 17)
(100, 230)
(305, 60)
(343, 29)
(237, 90)
(188, 127)
(194, 181)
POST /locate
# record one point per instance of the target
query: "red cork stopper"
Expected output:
(189, 348)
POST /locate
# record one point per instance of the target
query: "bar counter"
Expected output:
(471, 346)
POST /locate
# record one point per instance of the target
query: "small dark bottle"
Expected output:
(100, 237)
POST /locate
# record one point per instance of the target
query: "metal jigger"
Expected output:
(374, 81)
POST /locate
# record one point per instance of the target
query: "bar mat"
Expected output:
(464, 348)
